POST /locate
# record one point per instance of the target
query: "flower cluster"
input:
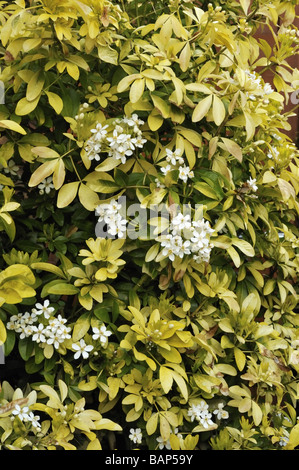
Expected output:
(201, 413)
(26, 416)
(195, 240)
(135, 435)
(125, 137)
(110, 214)
(176, 162)
(40, 325)
(93, 146)
(83, 349)
(256, 87)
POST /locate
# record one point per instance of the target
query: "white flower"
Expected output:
(92, 149)
(159, 184)
(21, 323)
(254, 80)
(82, 349)
(27, 330)
(46, 185)
(185, 173)
(220, 412)
(11, 168)
(198, 411)
(135, 435)
(205, 420)
(57, 331)
(193, 412)
(166, 169)
(44, 309)
(39, 333)
(34, 420)
(109, 213)
(163, 443)
(284, 439)
(133, 120)
(106, 210)
(93, 146)
(29, 318)
(102, 334)
(99, 131)
(268, 89)
(195, 239)
(181, 222)
(174, 157)
(252, 184)
(176, 431)
(118, 228)
(274, 152)
(114, 140)
(139, 141)
(22, 413)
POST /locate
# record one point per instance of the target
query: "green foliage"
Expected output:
(178, 329)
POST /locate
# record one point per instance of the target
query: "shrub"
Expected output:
(148, 225)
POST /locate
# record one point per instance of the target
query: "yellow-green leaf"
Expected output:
(185, 56)
(25, 107)
(293, 438)
(181, 384)
(94, 445)
(67, 194)
(166, 378)
(232, 147)
(55, 101)
(35, 86)
(202, 109)
(13, 126)
(59, 174)
(81, 327)
(42, 172)
(3, 334)
(218, 110)
(88, 198)
(240, 358)
(45, 152)
(136, 90)
(48, 267)
(162, 106)
(257, 413)
(152, 424)
(244, 246)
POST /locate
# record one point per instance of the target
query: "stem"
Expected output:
(78, 176)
